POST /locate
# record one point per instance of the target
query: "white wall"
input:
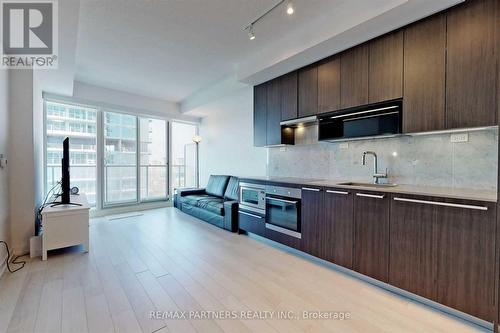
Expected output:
(21, 160)
(4, 180)
(227, 133)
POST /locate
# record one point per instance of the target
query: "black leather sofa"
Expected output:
(216, 204)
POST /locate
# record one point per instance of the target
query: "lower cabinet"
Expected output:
(444, 250)
(252, 222)
(312, 222)
(336, 235)
(371, 234)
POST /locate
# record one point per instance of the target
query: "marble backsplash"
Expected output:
(424, 160)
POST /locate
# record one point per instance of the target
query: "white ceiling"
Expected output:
(170, 49)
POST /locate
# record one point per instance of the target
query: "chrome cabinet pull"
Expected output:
(310, 189)
(252, 215)
(337, 192)
(282, 200)
(439, 203)
(370, 195)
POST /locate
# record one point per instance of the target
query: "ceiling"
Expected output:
(170, 49)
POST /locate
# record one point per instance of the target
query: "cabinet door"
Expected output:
(273, 112)
(311, 221)
(466, 256)
(329, 85)
(337, 228)
(385, 78)
(308, 91)
(354, 77)
(470, 65)
(260, 115)
(424, 75)
(252, 223)
(413, 246)
(289, 96)
(371, 235)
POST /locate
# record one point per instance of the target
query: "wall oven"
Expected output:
(253, 197)
(283, 210)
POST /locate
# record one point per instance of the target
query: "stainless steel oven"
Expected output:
(253, 197)
(283, 210)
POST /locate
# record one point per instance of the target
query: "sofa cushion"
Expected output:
(232, 189)
(193, 199)
(217, 185)
(212, 204)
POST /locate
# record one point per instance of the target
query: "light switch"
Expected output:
(459, 137)
(344, 145)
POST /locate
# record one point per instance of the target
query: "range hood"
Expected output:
(305, 121)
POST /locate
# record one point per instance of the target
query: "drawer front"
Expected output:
(252, 222)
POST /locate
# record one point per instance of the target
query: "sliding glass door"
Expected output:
(154, 168)
(120, 158)
(184, 155)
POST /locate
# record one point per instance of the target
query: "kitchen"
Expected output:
(383, 160)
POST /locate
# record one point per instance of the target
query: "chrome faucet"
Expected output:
(376, 174)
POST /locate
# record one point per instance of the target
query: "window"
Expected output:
(61, 123)
(153, 136)
(184, 155)
(129, 165)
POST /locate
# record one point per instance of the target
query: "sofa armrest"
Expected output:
(231, 215)
(182, 192)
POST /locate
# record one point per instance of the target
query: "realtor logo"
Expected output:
(29, 33)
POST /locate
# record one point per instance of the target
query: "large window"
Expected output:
(154, 170)
(184, 155)
(79, 124)
(118, 158)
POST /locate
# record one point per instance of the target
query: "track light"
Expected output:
(289, 8)
(251, 34)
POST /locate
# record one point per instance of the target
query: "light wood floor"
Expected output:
(165, 260)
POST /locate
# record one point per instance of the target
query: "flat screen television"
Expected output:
(65, 179)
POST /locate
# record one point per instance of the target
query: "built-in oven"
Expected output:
(253, 197)
(283, 210)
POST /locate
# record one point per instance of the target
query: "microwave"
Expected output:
(253, 197)
(373, 120)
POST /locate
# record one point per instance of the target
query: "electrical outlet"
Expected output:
(344, 145)
(282, 148)
(459, 137)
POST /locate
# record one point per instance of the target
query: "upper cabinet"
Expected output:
(424, 75)
(329, 85)
(308, 91)
(385, 76)
(289, 96)
(354, 77)
(274, 93)
(471, 69)
(260, 115)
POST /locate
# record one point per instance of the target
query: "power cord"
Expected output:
(14, 261)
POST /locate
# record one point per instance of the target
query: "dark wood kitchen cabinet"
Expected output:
(311, 220)
(289, 96)
(337, 227)
(329, 85)
(471, 65)
(371, 234)
(385, 69)
(424, 75)
(260, 115)
(308, 91)
(466, 253)
(413, 249)
(273, 127)
(354, 77)
(252, 222)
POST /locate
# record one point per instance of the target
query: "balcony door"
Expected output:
(120, 159)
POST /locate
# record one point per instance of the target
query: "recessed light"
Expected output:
(289, 8)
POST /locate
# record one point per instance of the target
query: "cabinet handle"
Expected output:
(252, 215)
(282, 200)
(370, 195)
(438, 203)
(337, 192)
(310, 189)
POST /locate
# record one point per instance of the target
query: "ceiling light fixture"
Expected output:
(251, 34)
(289, 10)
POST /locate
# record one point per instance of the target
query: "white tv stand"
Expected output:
(65, 225)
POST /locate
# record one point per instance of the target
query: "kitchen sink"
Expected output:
(368, 184)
